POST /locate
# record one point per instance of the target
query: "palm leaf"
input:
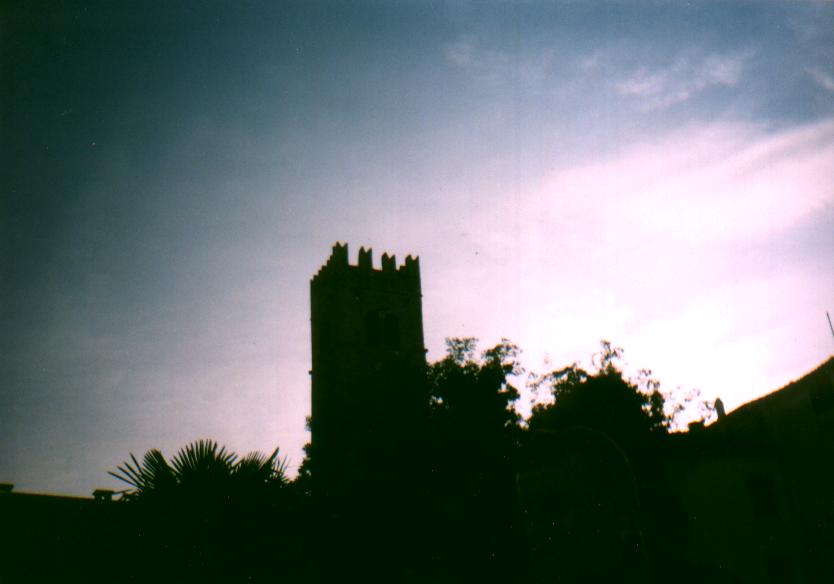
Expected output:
(258, 467)
(202, 468)
(152, 474)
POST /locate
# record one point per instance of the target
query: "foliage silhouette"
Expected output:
(202, 469)
(208, 504)
(593, 461)
(604, 400)
(476, 393)
(474, 432)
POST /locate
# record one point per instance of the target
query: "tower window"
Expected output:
(392, 332)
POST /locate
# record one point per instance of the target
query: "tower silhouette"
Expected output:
(368, 374)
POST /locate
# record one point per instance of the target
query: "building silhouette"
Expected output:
(367, 422)
(56, 538)
(368, 374)
(757, 485)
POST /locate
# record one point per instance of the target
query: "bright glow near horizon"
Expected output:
(654, 174)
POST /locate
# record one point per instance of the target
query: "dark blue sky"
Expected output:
(656, 173)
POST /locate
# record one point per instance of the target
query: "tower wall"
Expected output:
(368, 371)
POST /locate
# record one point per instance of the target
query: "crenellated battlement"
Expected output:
(389, 263)
(339, 260)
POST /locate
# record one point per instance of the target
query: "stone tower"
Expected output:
(368, 375)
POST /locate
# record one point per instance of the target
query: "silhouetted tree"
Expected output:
(593, 469)
(474, 430)
(192, 515)
(604, 400)
(201, 470)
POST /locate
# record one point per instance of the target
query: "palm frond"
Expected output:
(157, 471)
(203, 456)
(203, 469)
(152, 473)
(259, 467)
(129, 473)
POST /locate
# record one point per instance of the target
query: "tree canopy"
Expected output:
(474, 431)
(473, 391)
(604, 399)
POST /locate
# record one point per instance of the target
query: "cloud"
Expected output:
(699, 185)
(659, 228)
(682, 80)
(498, 66)
(824, 80)
(461, 52)
(486, 64)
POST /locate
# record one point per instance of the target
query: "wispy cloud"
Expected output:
(461, 52)
(702, 185)
(496, 65)
(486, 64)
(822, 78)
(683, 79)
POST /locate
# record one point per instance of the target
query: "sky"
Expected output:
(658, 174)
